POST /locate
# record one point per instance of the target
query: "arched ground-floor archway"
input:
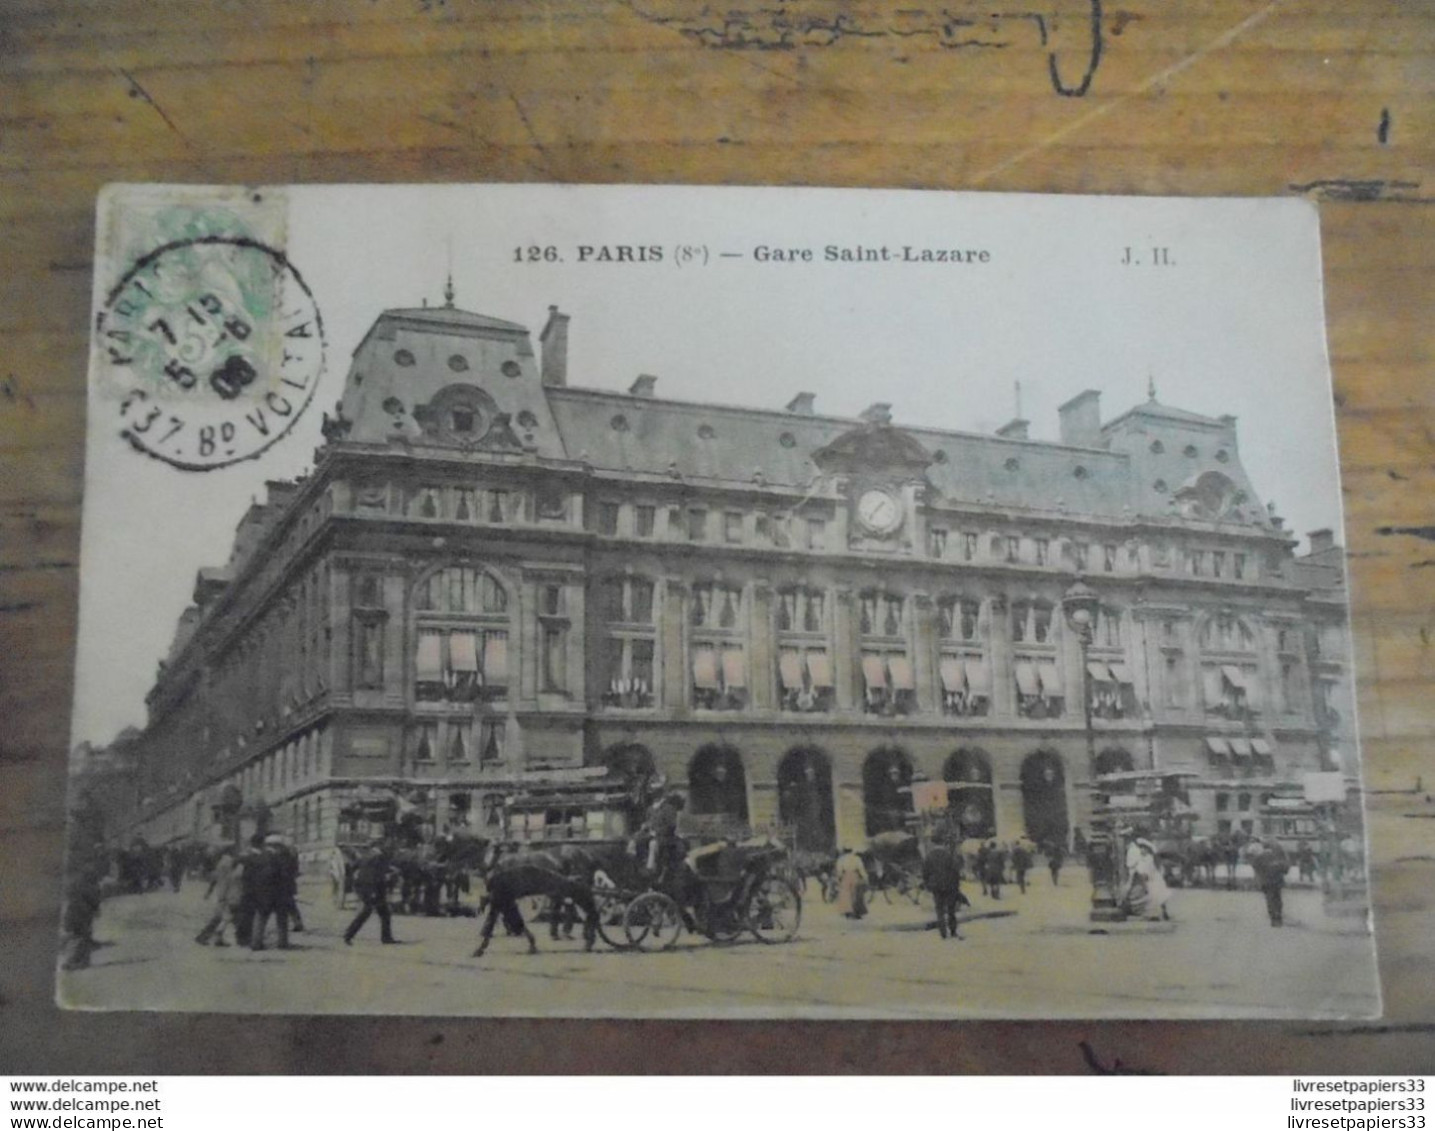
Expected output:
(1043, 798)
(968, 774)
(804, 798)
(885, 774)
(717, 783)
(1114, 760)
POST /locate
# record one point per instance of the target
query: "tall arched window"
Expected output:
(886, 790)
(889, 685)
(1230, 670)
(625, 606)
(804, 668)
(461, 636)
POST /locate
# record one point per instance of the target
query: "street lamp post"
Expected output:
(1081, 605)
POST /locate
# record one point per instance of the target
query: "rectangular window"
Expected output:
(969, 546)
(676, 528)
(457, 743)
(1173, 681)
(497, 506)
(465, 505)
(555, 658)
(369, 651)
(1108, 557)
(426, 742)
(607, 518)
(1218, 563)
(645, 516)
(697, 524)
(552, 503)
(732, 526)
(1223, 802)
(552, 600)
(1239, 565)
(1197, 563)
(816, 534)
(1013, 548)
(762, 527)
(1043, 549)
(1079, 554)
(937, 542)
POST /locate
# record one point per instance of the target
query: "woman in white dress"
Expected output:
(1146, 890)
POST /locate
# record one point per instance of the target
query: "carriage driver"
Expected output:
(665, 850)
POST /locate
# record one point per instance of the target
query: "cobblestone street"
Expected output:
(1024, 956)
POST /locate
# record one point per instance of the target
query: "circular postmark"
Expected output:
(212, 348)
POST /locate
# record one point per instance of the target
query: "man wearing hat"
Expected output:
(1270, 863)
(270, 884)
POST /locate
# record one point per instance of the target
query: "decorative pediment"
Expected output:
(874, 449)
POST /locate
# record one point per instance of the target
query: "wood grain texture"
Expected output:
(1329, 98)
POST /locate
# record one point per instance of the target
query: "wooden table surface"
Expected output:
(1331, 99)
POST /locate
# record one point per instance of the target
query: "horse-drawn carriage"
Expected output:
(722, 890)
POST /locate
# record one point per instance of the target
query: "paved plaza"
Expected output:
(1026, 956)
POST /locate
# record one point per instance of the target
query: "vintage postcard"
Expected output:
(715, 603)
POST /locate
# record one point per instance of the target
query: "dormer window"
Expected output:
(461, 420)
(404, 358)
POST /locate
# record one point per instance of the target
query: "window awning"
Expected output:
(428, 661)
(705, 669)
(1120, 673)
(874, 672)
(1261, 747)
(1099, 672)
(978, 680)
(495, 656)
(1234, 676)
(819, 669)
(734, 668)
(954, 677)
(1050, 678)
(789, 669)
(1215, 692)
(1217, 746)
(1241, 747)
(1026, 678)
(901, 669)
(463, 652)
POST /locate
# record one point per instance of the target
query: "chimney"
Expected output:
(878, 413)
(802, 404)
(1081, 420)
(1321, 540)
(554, 341)
(1014, 429)
(643, 386)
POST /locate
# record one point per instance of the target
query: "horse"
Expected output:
(942, 876)
(533, 874)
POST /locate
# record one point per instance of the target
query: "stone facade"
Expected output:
(491, 575)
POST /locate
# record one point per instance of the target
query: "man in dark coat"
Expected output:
(942, 876)
(371, 885)
(252, 882)
(1021, 861)
(1270, 862)
(995, 869)
(271, 893)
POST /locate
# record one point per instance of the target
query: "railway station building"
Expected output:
(494, 581)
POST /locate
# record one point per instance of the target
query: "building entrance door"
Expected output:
(885, 773)
(717, 783)
(804, 799)
(968, 774)
(1043, 798)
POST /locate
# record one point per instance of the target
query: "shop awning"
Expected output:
(1241, 747)
(705, 669)
(1121, 673)
(789, 669)
(495, 657)
(954, 678)
(1234, 676)
(1026, 679)
(874, 671)
(1261, 747)
(463, 652)
(901, 669)
(428, 660)
(819, 669)
(1050, 678)
(734, 668)
(1099, 672)
(1217, 746)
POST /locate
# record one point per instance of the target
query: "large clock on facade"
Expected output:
(879, 512)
